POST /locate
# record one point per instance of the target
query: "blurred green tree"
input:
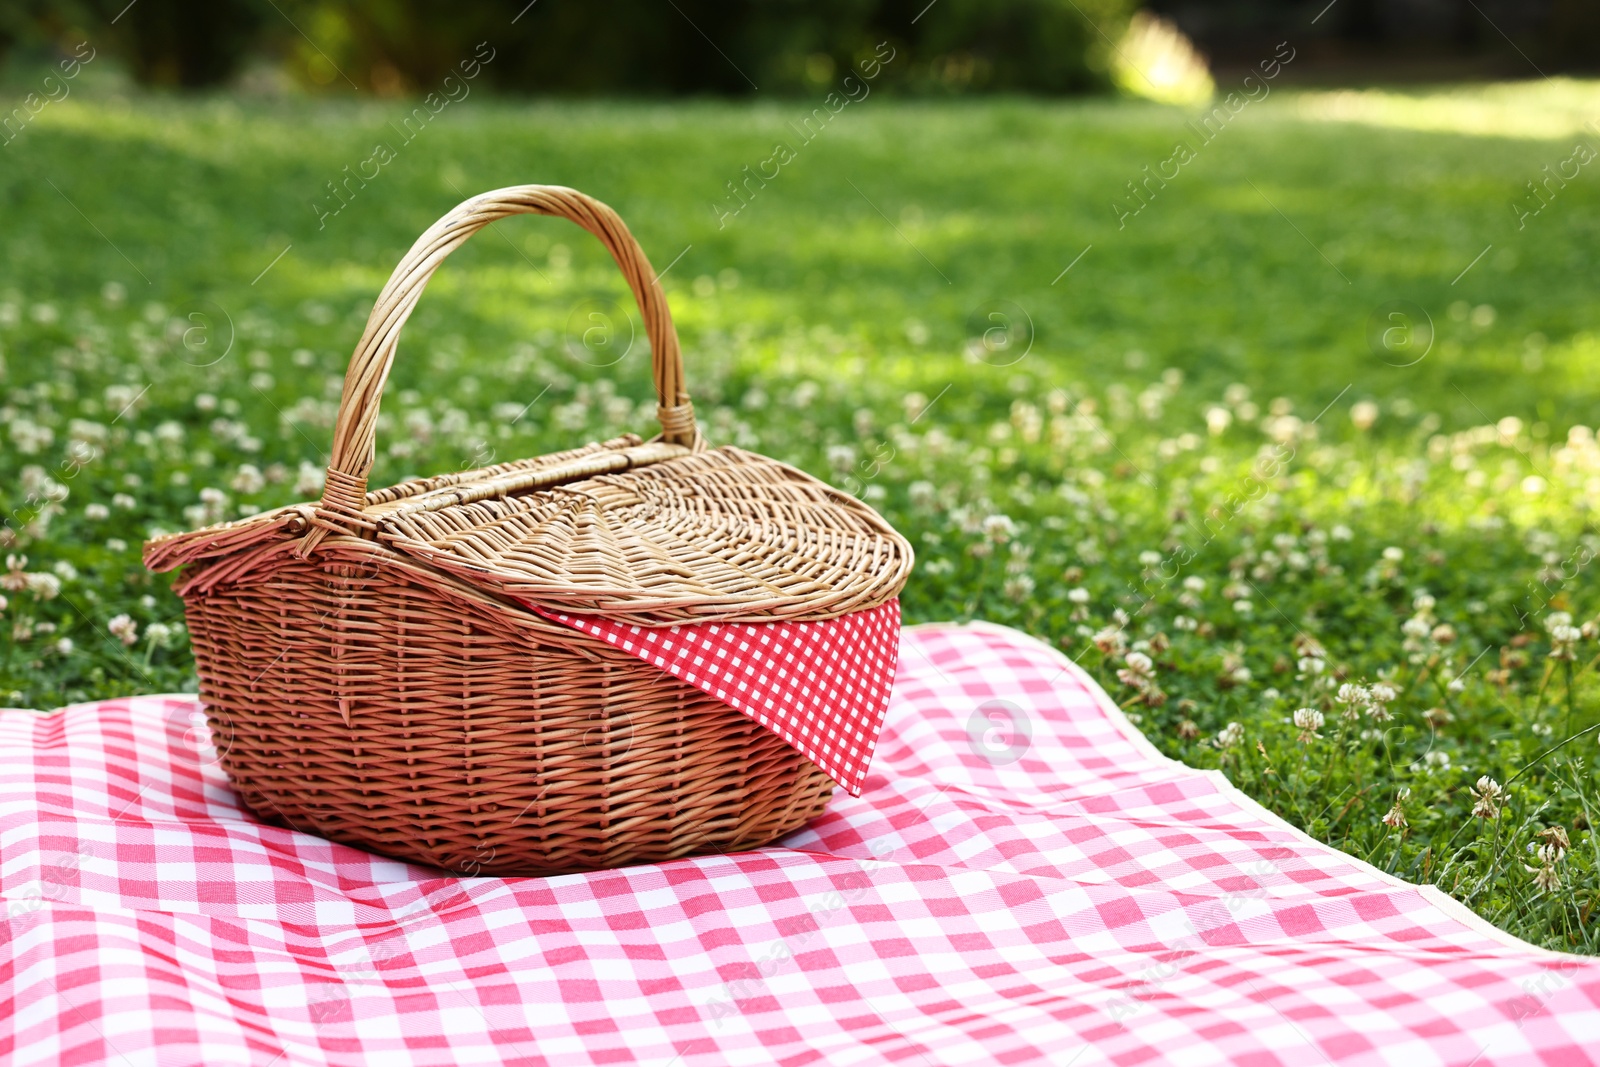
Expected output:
(1032, 46)
(612, 47)
(724, 47)
(181, 44)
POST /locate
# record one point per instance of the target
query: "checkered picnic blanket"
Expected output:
(1023, 880)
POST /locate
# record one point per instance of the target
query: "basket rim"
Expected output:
(233, 552)
(172, 549)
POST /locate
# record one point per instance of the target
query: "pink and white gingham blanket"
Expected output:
(1023, 880)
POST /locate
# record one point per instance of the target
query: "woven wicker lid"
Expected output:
(656, 532)
(719, 534)
(723, 534)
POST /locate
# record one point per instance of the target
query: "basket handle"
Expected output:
(344, 494)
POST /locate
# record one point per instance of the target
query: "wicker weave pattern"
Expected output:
(417, 723)
(370, 677)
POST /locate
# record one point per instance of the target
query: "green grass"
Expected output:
(1177, 426)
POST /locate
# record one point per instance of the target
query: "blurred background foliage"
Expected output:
(735, 47)
(723, 47)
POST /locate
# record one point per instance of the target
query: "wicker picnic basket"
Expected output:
(373, 672)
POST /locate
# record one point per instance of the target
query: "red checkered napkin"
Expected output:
(821, 686)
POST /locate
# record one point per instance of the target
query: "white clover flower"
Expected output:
(14, 580)
(158, 634)
(1110, 640)
(249, 480)
(1545, 878)
(1379, 696)
(1078, 595)
(1490, 796)
(212, 507)
(1415, 627)
(1309, 721)
(1194, 583)
(1555, 838)
(1396, 818)
(44, 586)
(1355, 698)
(1183, 622)
(123, 500)
(1018, 587)
(1244, 607)
(999, 528)
(1557, 619)
(96, 512)
(124, 629)
(1138, 675)
(1230, 736)
(308, 479)
(1564, 639)
(1150, 558)
(1353, 693)
(1363, 413)
(1312, 665)
(1340, 532)
(1550, 853)
(969, 521)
